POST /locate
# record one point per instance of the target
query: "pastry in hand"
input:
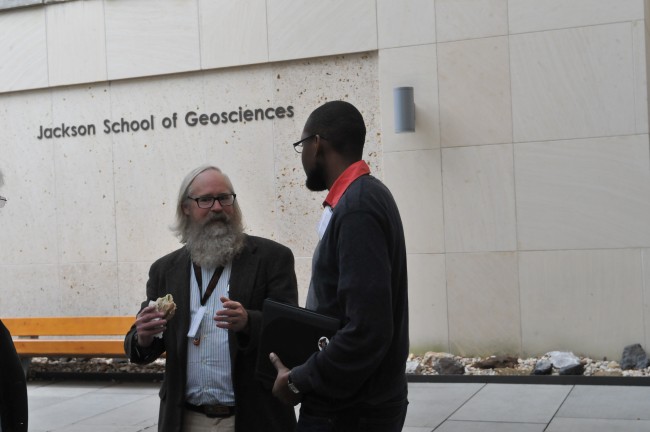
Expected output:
(167, 306)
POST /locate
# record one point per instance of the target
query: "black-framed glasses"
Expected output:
(206, 202)
(3, 201)
(298, 146)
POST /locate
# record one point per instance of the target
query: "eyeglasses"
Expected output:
(298, 146)
(3, 201)
(207, 202)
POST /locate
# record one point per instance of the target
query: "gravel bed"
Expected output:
(525, 366)
(53, 365)
(425, 366)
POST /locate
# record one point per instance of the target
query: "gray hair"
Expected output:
(181, 225)
(2, 179)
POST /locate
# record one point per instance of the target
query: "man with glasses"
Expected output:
(218, 280)
(358, 381)
(13, 386)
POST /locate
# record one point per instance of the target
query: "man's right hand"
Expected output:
(148, 323)
(280, 386)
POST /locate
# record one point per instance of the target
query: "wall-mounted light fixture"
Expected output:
(404, 109)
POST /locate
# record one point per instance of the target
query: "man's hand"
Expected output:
(233, 316)
(281, 389)
(149, 323)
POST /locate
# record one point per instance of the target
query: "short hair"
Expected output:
(182, 223)
(341, 124)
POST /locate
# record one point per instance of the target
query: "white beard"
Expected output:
(216, 242)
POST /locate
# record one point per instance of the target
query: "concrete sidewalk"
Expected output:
(441, 407)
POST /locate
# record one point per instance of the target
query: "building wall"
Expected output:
(525, 190)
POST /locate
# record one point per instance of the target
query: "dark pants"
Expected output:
(387, 419)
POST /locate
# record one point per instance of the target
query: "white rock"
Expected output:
(561, 359)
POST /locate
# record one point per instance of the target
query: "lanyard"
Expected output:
(211, 285)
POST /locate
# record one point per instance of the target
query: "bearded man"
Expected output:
(219, 281)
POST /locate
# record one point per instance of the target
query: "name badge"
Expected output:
(196, 322)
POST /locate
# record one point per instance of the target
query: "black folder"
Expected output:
(293, 333)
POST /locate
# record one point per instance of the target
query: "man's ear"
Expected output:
(320, 146)
(186, 210)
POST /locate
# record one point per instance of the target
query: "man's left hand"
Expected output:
(233, 316)
(281, 388)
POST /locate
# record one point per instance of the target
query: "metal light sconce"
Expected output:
(404, 109)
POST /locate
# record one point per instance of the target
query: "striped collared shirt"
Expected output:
(209, 370)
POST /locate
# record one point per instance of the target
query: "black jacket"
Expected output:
(13, 386)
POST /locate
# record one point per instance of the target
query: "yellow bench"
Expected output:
(87, 336)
